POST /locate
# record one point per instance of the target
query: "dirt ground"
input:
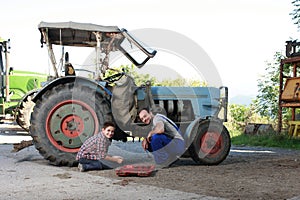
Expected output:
(247, 173)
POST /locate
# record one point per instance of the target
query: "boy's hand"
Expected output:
(118, 159)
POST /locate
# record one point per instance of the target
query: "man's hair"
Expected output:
(147, 109)
(107, 124)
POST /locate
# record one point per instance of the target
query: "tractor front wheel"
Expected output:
(211, 144)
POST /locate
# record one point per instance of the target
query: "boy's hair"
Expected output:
(107, 124)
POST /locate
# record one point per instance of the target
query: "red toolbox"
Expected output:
(135, 170)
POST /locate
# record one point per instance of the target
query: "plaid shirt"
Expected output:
(94, 148)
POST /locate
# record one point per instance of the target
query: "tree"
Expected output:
(266, 102)
(181, 82)
(238, 116)
(141, 79)
(296, 13)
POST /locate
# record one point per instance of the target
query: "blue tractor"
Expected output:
(71, 108)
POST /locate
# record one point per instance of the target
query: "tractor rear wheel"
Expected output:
(64, 118)
(211, 144)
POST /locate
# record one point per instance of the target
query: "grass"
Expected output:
(266, 140)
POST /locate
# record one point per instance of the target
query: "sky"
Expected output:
(239, 36)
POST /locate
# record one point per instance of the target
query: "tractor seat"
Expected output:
(69, 70)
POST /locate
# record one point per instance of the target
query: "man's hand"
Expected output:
(145, 144)
(149, 137)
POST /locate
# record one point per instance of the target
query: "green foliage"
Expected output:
(267, 140)
(267, 99)
(141, 79)
(197, 83)
(266, 102)
(296, 13)
(239, 112)
(180, 82)
(240, 115)
(176, 82)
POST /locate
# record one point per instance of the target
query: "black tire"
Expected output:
(211, 144)
(63, 118)
(24, 112)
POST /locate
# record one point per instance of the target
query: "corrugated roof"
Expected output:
(78, 26)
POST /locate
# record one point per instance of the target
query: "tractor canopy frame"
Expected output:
(104, 39)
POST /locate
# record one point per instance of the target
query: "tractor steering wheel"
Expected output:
(115, 77)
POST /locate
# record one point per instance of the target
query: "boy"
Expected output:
(94, 150)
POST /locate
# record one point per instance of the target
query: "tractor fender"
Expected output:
(82, 81)
(192, 129)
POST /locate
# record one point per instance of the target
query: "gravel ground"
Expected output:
(247, 173)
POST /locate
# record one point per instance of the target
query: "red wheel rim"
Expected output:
(211, 143)
(69, 123)
(77, 126)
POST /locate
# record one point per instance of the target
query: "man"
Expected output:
(94, 150)
(164, 140)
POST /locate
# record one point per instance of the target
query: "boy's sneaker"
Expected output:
(80, 167)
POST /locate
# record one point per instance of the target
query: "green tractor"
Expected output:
(15, 85)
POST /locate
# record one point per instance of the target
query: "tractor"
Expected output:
(15, 85)
(71, 108)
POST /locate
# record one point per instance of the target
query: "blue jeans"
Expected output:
(92, 164)
(166, 150)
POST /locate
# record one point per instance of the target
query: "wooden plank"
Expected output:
(292, 105)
